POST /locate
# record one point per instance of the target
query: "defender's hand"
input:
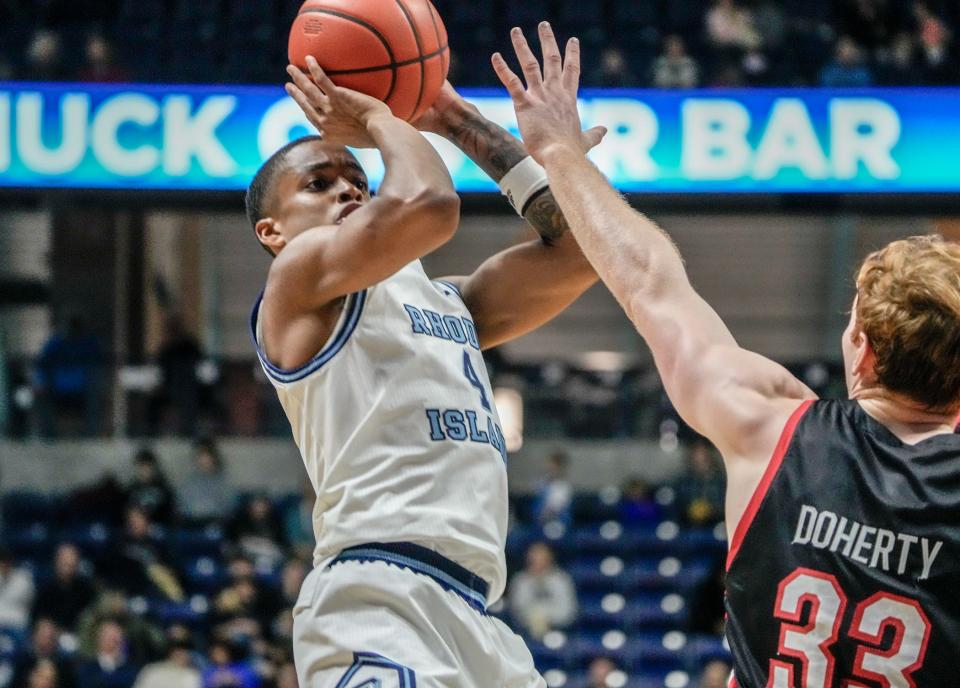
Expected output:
(547, 107)
(340, 115)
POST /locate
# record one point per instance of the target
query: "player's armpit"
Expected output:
(519, 289)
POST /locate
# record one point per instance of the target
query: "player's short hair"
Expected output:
(909, 308)
(260, 191)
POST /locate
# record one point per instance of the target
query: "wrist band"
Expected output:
(522, 183)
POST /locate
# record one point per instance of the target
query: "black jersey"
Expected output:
(845, 569)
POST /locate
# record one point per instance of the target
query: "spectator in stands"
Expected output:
(179, 393)
(145, 642)
(555, 493)
(674, 68)
(110, 668)
(637, 506)
(258, 532)
(16, 593)
(848, 69)
(104, 500)
(44, 647)
(64, 597)
(44, 675)
(150, 491)
(178, 670)
(599, 671)
(225, 671)
(900, 69)
(935, 44)
(700, 493)
(731, 26)
(206, 496)
(246, 608)
(140, 565)
(715, 674)
(44, 59)
(68, 379)
(298, 521)
(287, 676)
(614, 70)
(100, 66)
(542, 596)
(868, 22)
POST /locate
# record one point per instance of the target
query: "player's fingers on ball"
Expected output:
(306, 85)
(511, 81)
(300, 98)
(320, 76)
(571, 65)
(528, 61)
(552, 60)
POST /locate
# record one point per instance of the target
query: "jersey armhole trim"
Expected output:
(352, 310)
(753, 506)
(451, 285)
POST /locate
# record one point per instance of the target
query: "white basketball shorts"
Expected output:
(401, 616)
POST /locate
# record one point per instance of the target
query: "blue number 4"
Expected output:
(474, 379)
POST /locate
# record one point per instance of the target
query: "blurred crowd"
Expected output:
(145, 584)
(629, 43)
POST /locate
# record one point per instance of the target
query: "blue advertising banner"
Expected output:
(197, 138)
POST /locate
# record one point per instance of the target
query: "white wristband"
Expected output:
(522, 183)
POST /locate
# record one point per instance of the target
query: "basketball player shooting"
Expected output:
(844, 516)
(380, 373)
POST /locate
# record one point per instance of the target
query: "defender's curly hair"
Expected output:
(909, 309)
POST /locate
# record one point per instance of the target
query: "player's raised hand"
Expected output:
(547, 106)
(340, 115)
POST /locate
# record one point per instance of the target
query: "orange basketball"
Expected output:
(394, 50)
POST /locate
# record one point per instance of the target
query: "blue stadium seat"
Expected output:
(647, 654)
(31, 541)
(546, 658)
(25, 508)
(589, 508)
(605, 539)
(192, 613)
(648, 613)
(92, 539)
(197, 542)
(204, 574)
(595, 615)
(598, 574)
(701, 649)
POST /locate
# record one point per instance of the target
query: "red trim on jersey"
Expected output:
(733, 682)
(753, 506)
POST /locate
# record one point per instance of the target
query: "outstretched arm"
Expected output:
(738, 399)
(527, 285)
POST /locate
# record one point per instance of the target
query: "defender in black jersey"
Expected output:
(844, 567)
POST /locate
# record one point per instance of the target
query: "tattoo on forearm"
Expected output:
(490, 146)
(496, 151)
(545, 216)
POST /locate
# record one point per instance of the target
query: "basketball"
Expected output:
(394, 50)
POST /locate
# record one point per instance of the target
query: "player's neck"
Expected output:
(908, 420)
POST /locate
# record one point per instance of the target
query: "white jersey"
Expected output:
(396, 424)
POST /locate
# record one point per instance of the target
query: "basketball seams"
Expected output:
(406, 63)
(419, 41)
(436, 30)
(372, 29)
